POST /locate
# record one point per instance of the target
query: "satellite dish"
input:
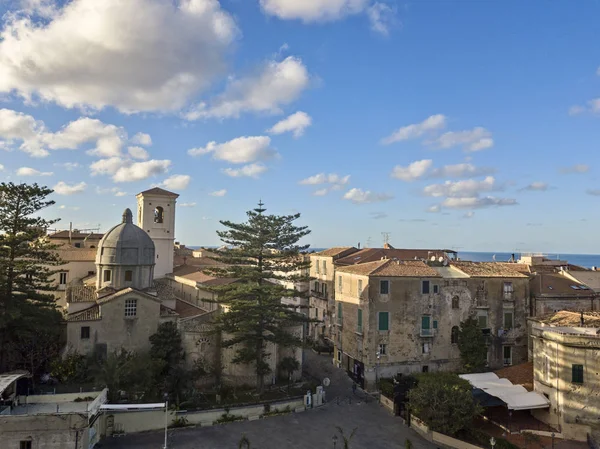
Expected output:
(433, 258)
(326, 382)
(440, 259)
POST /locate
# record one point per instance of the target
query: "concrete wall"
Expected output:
(575, 408)
(192, 292)
(44, 431)
(407, 348)
(56, 398)
(116, 330)
(544, 306)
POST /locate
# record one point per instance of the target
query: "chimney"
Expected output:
(386, 245)
(512, 259)
(582, 321)
(358, 245)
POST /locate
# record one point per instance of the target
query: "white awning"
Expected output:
(131, 407)
(516, 397)
(7, 379)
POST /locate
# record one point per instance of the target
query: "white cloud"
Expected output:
(136, 55)
(176, 182)
(592, 106)
(221, 192)
(469, 214)
(277, 85)
(187, 204)
(62, 188)
(107, 166)
(114, 190)
(138, 171)
(295, 123)
(430, 124)
(536, 186)
(477, 203)
(378, 215)
(577, 168)
(359, 196)
(576, 110)
(593, 192)
(68, 165)
(251, 171)
(241, 150)
(476, 139)
(460, 171)
(28, 171)
(119, 193)
(142, 139)
(313, 10)
(1, 167)
(434, 209)
(382, 17)
(138, 153)
(62, 206)
(35, 139)
(413, 171)
(461, 189)
(333, 181)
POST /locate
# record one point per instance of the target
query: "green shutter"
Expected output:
(435, 324)
(426, 322)
(577, 374)
(359, 320)
(384, 324)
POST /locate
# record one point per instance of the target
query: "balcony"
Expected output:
(427, 333)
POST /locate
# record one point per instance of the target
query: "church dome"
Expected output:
(126, 244)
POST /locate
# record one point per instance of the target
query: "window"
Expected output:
(547, 368)
(317, 267)
(360, 287)
(435, 324)
(316, 288)
(455, 302)
(425, 369)
(577, 374)
(340, 315)
(507, 355)
(482, 320)
(339, 356)
(77, 245)
(324, 289)
(340, 284)
(436, 288)
(106, 275)
(130, 307)
(508, 320)
(384, 287)
(508, 290)
(128, 276)
(383, 321)
(425, 287)
(25, 444)
(454, 335)
(426, 348)
(359, 327)
(85, 332)
(426, 326)
(159, 215)
(62, 278)
(324, 267)
(382, 349)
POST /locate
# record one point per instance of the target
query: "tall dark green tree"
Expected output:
(29, 320)
(472, 346)
(266, 259)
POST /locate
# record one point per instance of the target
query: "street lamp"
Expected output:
(334, 438)
(378, 354)
(492, 442)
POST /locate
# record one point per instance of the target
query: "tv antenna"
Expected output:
(368, 243)
(386, 237)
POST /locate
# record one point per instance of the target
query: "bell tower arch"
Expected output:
(156, 216)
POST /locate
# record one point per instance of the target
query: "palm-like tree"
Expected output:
(346, 439)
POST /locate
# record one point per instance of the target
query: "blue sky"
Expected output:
(458, 124)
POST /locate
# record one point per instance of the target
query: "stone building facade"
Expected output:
(397, 316)
(566, 363)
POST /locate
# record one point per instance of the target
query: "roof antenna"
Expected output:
(386, 239)
(582, 321)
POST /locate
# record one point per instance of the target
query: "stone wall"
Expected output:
(56, 431)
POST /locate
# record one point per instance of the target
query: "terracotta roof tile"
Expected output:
(391, 268)
(179, 261)
(76, 235)
(336, 251)
(489, 269)
(554, 284)
(89, 314)
(194, 273)
(565, 318)
(373, 254)
(186, 309)
(521, 374)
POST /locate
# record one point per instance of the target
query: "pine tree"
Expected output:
(29, 321)
(472, 346)
(267, 261)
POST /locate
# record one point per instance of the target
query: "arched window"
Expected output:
(455, 302)
(159, 215)
(454, 335)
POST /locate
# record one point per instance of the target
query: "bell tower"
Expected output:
(156, 216)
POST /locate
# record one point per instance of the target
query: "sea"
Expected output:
(583, 260)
